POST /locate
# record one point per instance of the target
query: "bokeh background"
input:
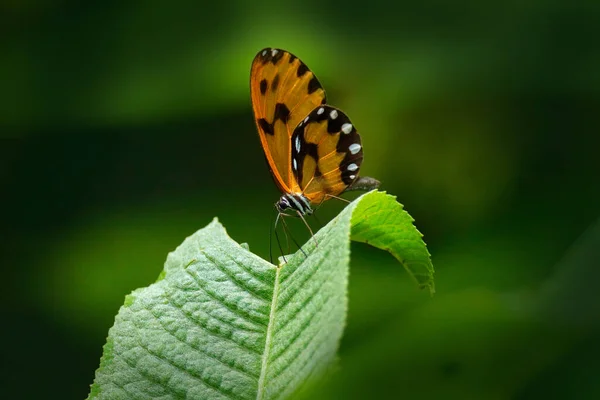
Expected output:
(126, 126)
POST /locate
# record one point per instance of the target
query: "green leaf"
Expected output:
(222, 323)
(379, 220)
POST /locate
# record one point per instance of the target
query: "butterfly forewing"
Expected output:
(326, 153)
(284, 91)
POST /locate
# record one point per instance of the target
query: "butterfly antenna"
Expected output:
(271, 225)
(286, 232)
(277, 237)
(292, 236)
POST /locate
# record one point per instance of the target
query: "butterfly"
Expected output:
(312, 149)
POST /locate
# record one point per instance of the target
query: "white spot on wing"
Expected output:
(352, 176)
(274, 52)
(298, 143)
(347, 128)
(264, 53)
(333, 114)
(296, 164)
(351, 167)
(320, 111)
(306, 120)
(354, 148)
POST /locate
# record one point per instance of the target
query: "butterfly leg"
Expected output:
(330, 196)
(288, 233)
(308, 226)
(336, 197)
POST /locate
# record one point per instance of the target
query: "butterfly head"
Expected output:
(297, 202)
(283, 204)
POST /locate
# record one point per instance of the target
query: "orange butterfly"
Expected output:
(313, 150)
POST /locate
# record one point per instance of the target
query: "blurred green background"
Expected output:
(126, 126)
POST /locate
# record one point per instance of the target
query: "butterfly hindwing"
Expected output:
(326, 153)
(284, 91)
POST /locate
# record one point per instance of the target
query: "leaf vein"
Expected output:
(316, 345)
(306, 278)
(302, 328)
(231, 307)
(203, 352)
(148, 376)
(240, 284)
(192, 375)
(210, 331)
(250, 272)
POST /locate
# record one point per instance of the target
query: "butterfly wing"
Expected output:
(326, 153)
(284, 91)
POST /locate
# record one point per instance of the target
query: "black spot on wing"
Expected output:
(263, 86)
(334, 125)
(292, 58)
(315, 116)
(281, 112)
(275, 58)
(299, 153)
(264, 55)
(265, 126)
(313, 85)
(268, 54)
(275, 83)
(302, 69)
(346, 173)
(298, 137)
(346, 140)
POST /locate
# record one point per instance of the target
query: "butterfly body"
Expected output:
(313, 150)
(295, 201)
